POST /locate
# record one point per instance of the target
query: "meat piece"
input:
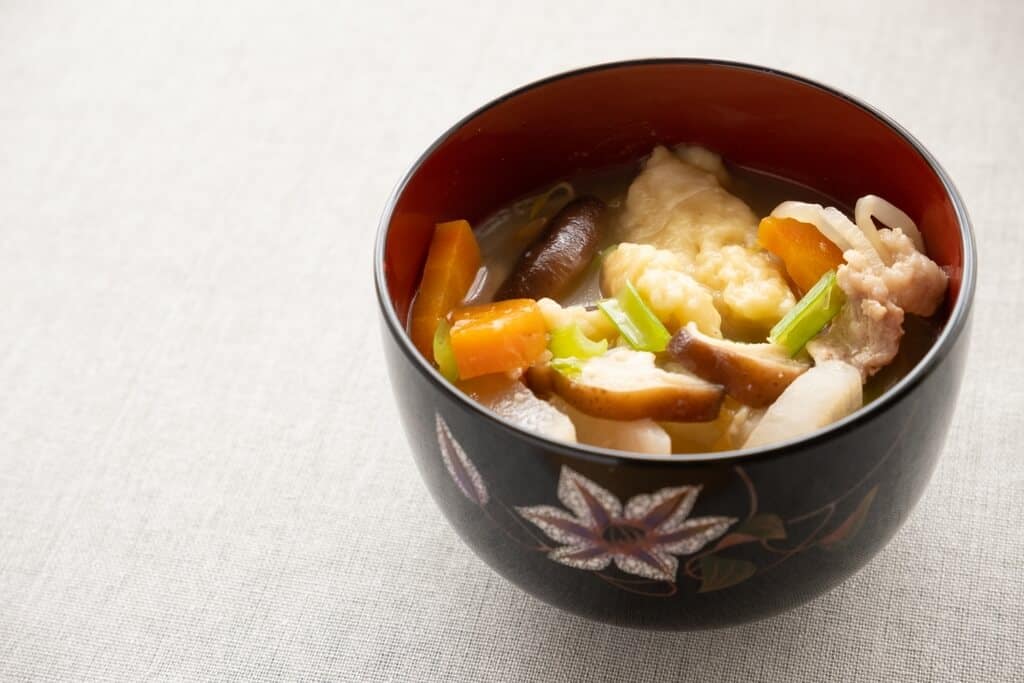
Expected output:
(866, 334)
(916, 283)
(560, 255)
(911, 280)
(626, 385)
(884, 275)
(754, 374)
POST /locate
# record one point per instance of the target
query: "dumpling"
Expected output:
(661, 278)
(683, 208)
(679, 206)
(752, 294)
(592, 323)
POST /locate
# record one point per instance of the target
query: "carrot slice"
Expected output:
(506, 335)
(806, 253)
(451, 267)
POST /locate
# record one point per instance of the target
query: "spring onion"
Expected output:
(635, 321)
(570, 367)
(810, 315)
(570, 342)
(444, 355)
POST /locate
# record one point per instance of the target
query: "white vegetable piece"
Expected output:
(813, 214)
(872, 205)
(510, 399)
(827, 392)
(637, 436)
(834, 225)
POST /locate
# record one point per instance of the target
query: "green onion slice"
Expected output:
(570, 367)
(635, 321)
(810, 315)
(444, 355)
(570, 342)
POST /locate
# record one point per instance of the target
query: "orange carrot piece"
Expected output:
(506, 335)
(451, 267)
(806, 253)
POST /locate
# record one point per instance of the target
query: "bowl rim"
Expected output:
(941, 348)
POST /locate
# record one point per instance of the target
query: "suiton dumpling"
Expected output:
(682, 207)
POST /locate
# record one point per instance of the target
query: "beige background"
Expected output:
(200, 470)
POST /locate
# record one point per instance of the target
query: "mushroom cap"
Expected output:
(754, 374)
(626, 385)
(560, 255)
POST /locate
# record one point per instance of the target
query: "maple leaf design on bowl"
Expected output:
(461, 469)
(642, 538)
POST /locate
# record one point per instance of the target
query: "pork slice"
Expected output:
(866, 334)
(915, 282)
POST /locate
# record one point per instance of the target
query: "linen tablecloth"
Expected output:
(201, 471)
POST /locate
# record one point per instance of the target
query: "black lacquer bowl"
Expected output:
(687, 541)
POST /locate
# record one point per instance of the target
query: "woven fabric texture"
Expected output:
(201, 474)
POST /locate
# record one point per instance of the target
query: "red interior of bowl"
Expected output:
(616, 114)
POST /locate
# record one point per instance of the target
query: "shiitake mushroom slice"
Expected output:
(560, 254)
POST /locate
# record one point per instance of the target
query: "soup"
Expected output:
(678, 305)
